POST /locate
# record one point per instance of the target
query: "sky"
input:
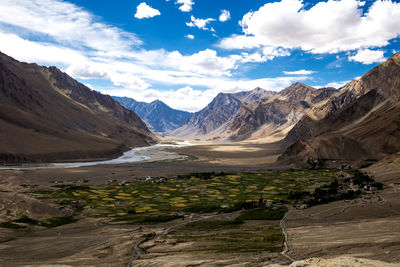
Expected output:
(185, 52)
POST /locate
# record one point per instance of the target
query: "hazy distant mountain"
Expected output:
(361, 121)
(45, 115)
(219, 112)
(276, 114)
(158, 116)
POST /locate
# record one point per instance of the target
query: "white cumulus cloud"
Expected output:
(326, 27)
(65, 23)
(200, 23)
(30, 51)
(336, 84)
(185, 5)
(54, 32)
(367, 56)
(254, 57)
(272, 52)
(189, 36)
(299, 72)
(143, 10)
(225, 15)
(204, 62)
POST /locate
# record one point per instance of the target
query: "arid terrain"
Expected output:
(90, 242)
(256, 178)
(365, 227)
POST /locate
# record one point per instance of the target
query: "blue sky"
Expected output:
(184, 52)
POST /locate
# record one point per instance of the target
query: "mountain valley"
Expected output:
(256, 178)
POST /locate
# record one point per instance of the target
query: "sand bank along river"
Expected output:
(140, 154)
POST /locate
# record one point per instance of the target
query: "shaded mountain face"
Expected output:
(158, 116)
(45, 115)
(218, 113)
(324, 93)
(361, 121)
(278, 112)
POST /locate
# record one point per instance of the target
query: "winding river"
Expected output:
(138, 154)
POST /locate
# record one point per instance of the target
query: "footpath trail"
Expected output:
(138, 252)
(286, 247)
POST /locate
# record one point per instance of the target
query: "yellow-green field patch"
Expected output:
(178, 194)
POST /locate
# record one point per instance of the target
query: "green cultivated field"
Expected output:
(206, 192)
(225, 213)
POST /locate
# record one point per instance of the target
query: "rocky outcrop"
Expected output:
(324, 93)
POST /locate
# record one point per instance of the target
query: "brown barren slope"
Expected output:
(366, 227)
(360, 122)
(45, 115)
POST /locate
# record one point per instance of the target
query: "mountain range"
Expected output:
(277, 114)
(45, 115)
(252, 114)
(158, 116)
(214, 119)
(360, 122)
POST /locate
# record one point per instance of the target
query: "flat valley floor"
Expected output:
(363, 227)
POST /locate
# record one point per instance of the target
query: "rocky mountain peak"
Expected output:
(299, 92)
(218, 113)
(157, 115)
(279, 112)
(257, 94)
(298, 86)
(258, 90)
(223, 99)
(157, 102)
